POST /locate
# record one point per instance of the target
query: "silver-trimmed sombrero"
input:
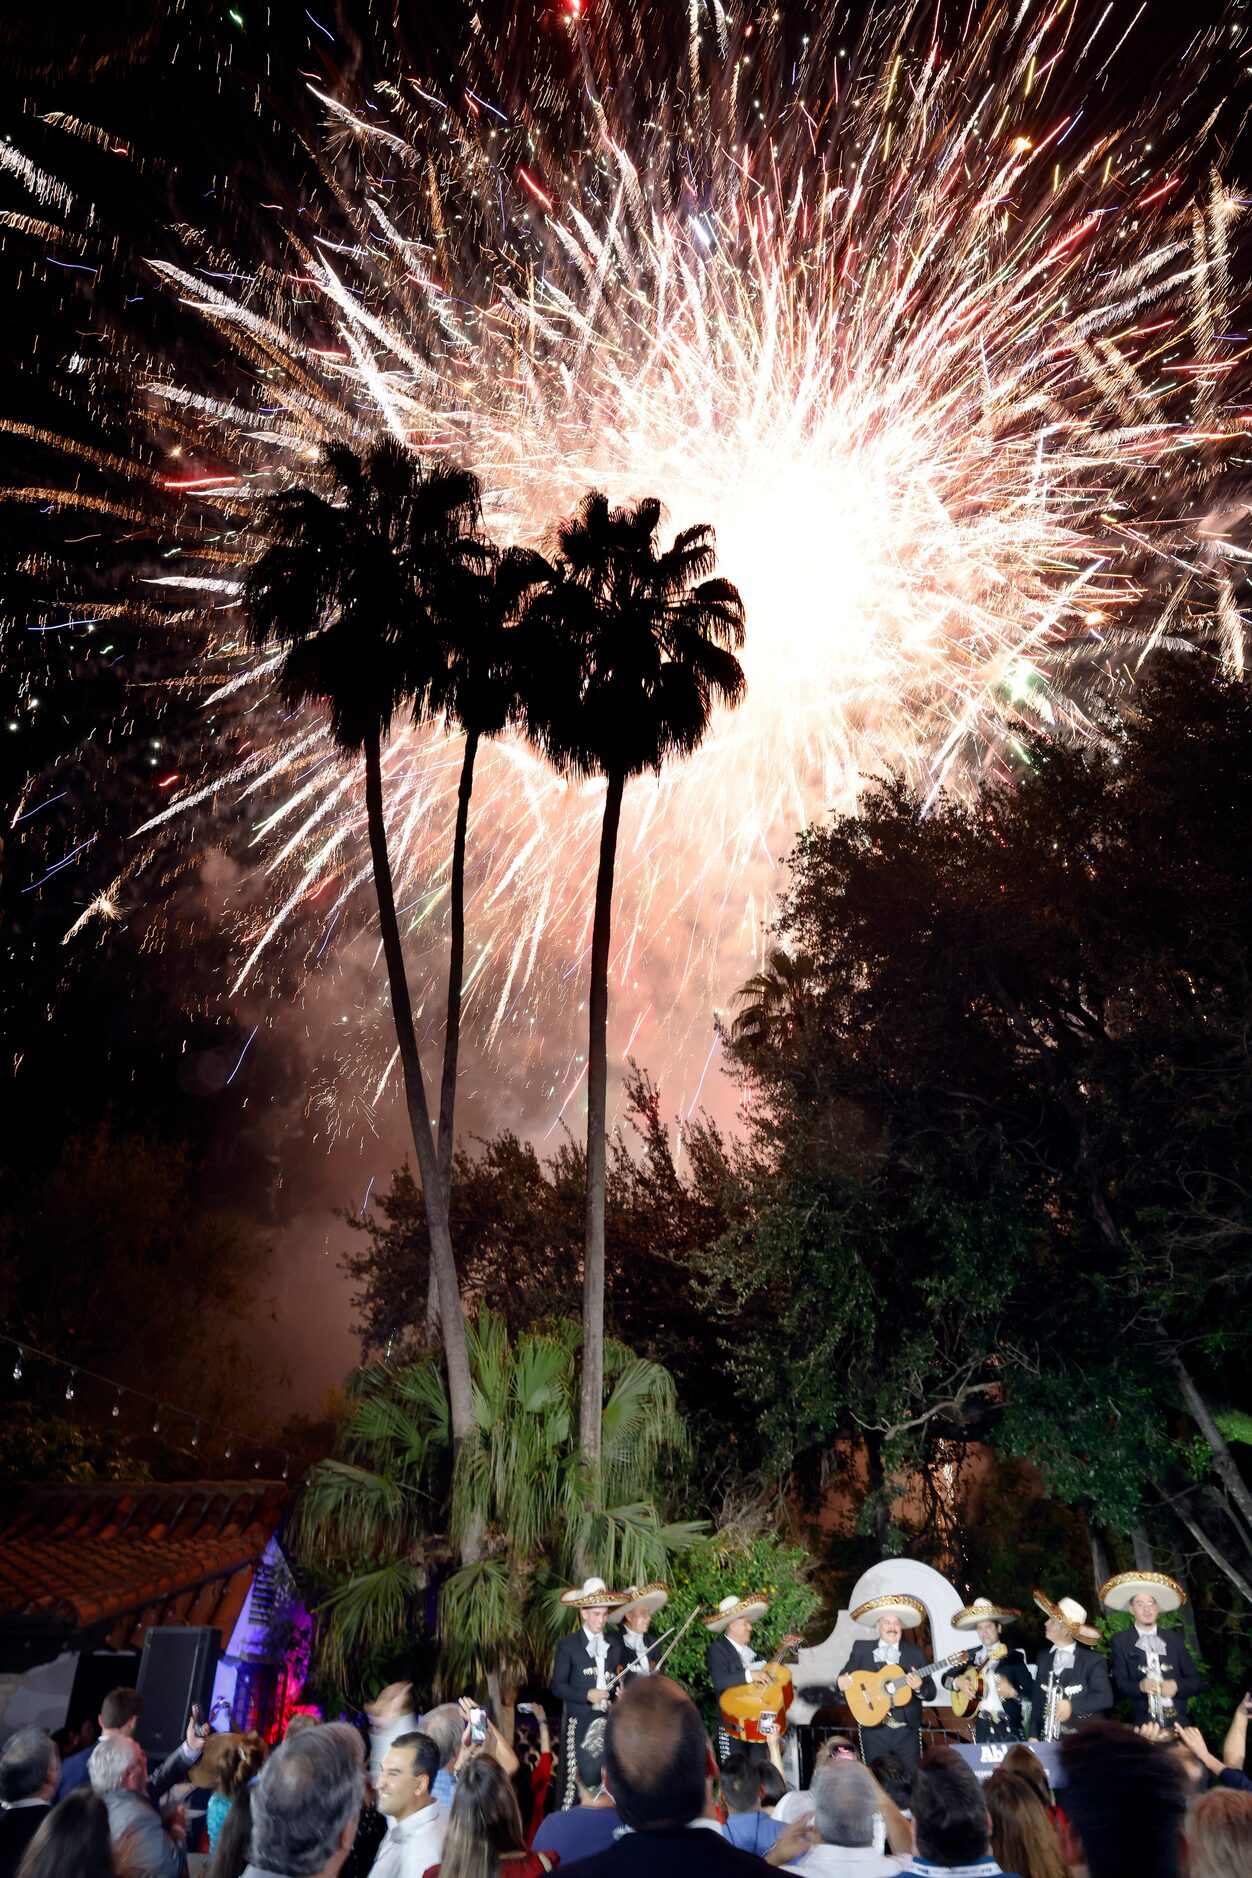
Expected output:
(1116, 1593)
(732, 1607)
(592, 1595)
(908, 1610)
(983, 1611)
(647, 1598)
(1070, 1613)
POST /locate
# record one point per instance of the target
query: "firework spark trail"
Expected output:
(941, 354)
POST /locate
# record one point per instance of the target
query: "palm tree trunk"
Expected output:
(456, 965)
(460, 1393)
(591, 1396)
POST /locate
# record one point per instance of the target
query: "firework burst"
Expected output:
(938, 343)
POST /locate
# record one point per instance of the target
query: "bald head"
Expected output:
(656, 1756)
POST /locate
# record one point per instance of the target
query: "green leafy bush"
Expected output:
(727, 1564)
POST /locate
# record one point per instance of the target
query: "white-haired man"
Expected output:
(29, 1766)
(900, 1733)
(846, 1802)
(306, 1803)
(152, 1846)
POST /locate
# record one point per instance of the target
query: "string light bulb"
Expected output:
(69, 1387)
(17, 1364)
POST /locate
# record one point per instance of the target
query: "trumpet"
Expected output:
(1051, 1724)
(1161, 1709)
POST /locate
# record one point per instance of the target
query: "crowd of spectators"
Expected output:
(445, 1796)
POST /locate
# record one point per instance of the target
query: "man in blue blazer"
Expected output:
(659, 1768)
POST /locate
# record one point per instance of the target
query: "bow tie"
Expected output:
(887, 1653)
(1062, 1659)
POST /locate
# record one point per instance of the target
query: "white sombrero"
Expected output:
(592, 1595)
(1116, 1593)
(1070, 1613)
(983, 1611)
(647, 1598)
(731, 1608)
(908, 1610)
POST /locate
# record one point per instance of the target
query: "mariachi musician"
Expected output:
(1007, 1681)
(1071, 1679)
(585, 1662)
(639, 1644)
(732, 1662)
(1152, 1668)
(900, 1733)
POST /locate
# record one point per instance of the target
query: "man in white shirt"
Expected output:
(416, 1822)
(846, 1801)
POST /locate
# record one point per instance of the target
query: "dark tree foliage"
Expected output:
(517, 1224)
(999, 1176)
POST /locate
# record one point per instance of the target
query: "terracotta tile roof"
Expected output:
(115, 1558)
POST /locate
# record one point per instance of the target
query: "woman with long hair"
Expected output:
(234, 1840)
(485, 1837)
(239, 1760)
(1022, 1836)
(73, 1841)
(1019, 1760)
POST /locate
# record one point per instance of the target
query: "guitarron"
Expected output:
(756, 1711)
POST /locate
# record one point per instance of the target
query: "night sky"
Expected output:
(205, 109)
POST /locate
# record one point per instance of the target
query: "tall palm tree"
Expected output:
(355, 585)
(373, 1518)
(479, 687)
(629, 648)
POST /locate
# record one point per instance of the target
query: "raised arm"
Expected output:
(1235, 1746)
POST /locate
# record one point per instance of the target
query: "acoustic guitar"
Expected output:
(873, 1693)
(757, 1711)
(966, 1704)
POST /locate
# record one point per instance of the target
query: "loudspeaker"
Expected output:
(178, 1666)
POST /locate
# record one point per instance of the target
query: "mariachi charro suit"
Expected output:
(901, 1733)
(1084, 1683)
(726, 1671)
(574, 1676)
(1130, 1666)
(1008, 1720)
(632, 1657)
